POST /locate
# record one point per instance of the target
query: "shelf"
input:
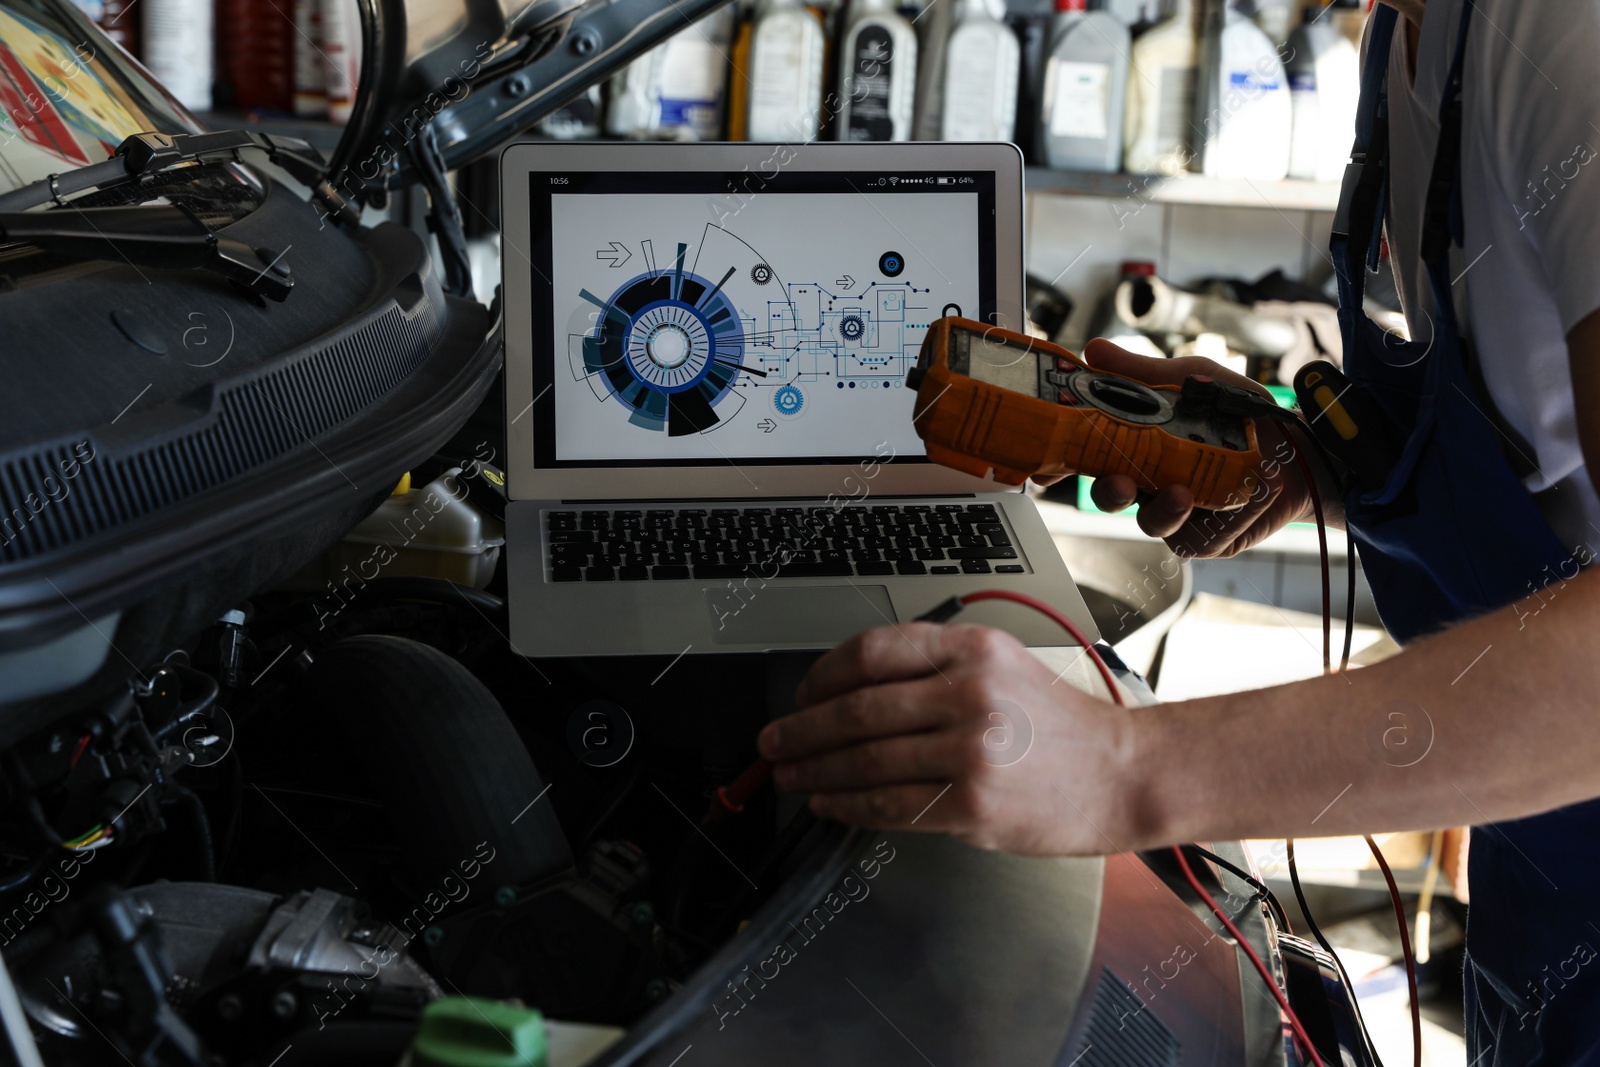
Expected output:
(1288, 195)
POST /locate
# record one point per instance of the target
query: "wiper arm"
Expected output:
(158, 236)
(149, 153)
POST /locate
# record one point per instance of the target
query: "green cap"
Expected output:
(473, 1032)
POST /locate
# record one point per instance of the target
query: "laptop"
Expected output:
(710, 444)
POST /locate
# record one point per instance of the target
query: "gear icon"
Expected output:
(851, 327)
(788, 400)
(761, 274)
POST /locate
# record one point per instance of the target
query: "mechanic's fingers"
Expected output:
(886, 654)
(915, 758)
(1166, 511)
(1114, 492)
(1209, 534)
(863, 714)
(898, 807)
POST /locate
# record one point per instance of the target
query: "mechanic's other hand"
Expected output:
(960, 729)
(1278, 497)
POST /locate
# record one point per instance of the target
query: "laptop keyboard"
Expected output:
(680, 544)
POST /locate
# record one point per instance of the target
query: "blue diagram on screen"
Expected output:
(685, 345)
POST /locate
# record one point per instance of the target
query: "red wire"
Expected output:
(1405, 949)
(77, 753)
(1322, 546)
(1059, 619)
(1249, 950)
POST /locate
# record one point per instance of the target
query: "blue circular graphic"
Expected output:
(788, 400)
(891, 264)
(668, 346)
(851, 327)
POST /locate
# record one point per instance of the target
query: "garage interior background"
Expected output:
(237, 61)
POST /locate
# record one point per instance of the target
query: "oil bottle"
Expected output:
(1085, 89)
(877, 74)
(785, 71)
(1161, 89)
(980, 76)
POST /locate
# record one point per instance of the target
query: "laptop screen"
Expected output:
(699, 318)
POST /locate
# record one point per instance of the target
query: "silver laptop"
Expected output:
(710, 438)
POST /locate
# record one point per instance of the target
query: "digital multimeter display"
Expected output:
(1006, 406)
(1032, 371)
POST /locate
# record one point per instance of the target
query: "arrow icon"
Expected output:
(846, 282)
(618, 253)
(766, 426)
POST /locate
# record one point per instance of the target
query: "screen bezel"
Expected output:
(528, 481)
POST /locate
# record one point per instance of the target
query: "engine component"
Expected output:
(246, 969)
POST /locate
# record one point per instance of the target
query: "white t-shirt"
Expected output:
(1530, 267)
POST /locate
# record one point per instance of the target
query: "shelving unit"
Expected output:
(1288, 195)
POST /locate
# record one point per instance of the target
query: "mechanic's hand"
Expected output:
(957, 728)
(1278, 498)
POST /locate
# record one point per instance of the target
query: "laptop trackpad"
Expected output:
(818, 616)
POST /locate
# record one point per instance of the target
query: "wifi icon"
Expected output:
(894, 181)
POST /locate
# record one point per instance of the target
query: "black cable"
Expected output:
(26, 875)
(1262, 892)
(1349, 595)
(1349, 542)
(202, 825)
(1316, 932)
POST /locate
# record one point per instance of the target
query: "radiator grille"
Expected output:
(1123, 1031)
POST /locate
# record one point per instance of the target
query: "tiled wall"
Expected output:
(1079, 242)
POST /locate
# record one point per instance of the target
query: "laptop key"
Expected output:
(707, 559)
(884, 567)
(1009, 568)
(929, 553)
(634, 573)
(566, 536)
(982, 553)
(815, 570)
(566, 574)
(600, 574)
(915, 566)
(669, 573)
(975, 566)
(716, 572)
(946, 570)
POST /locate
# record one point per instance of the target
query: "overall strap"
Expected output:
(1442, 221)
(1358, 222)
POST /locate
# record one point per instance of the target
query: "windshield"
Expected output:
(68, 96)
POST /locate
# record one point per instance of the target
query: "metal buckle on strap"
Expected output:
(1354, 173)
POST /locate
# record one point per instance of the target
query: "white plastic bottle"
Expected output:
(980, 76)
(179, 48)
(1085, 90)
(1324, 87)
(675, 88)
(786, 55)
(1243, 115)
(1161, 94)
(878, 74)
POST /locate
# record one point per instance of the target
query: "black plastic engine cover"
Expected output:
(168, 447)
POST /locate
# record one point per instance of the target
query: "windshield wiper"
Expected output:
(151, 235)
(149, 153)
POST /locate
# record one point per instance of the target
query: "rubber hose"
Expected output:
(443, 758)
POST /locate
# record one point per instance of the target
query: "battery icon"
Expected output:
(945, 181)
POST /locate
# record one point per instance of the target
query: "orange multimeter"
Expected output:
(992, 400)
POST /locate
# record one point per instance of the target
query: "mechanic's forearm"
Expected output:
(1487, 721)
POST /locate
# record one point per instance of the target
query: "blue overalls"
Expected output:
(1454, 533)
